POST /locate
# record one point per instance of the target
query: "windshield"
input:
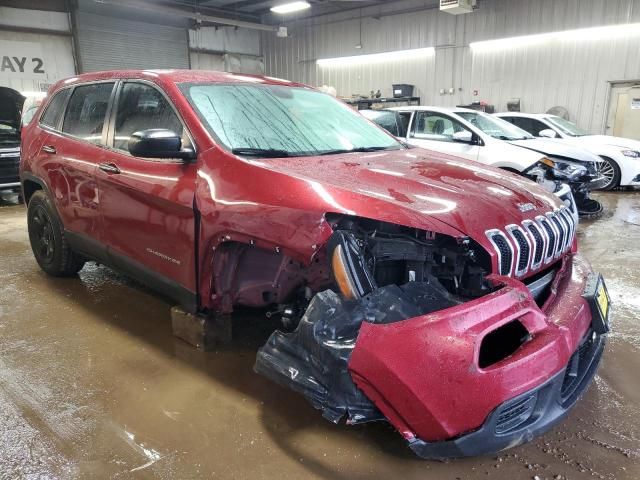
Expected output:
(281, 121)
(494, 126)
(567, 127)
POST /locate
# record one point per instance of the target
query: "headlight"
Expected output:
(564, 170)
(631, 153)
(538, 170)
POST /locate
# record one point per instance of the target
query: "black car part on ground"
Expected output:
(313, 359)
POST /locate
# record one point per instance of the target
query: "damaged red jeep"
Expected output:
(443, 296)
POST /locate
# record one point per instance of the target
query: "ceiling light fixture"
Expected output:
(582, 34)
(290, 7)
(377, 57)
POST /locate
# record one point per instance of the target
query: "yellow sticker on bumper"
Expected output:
(603, 301)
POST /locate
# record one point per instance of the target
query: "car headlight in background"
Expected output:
(538, 170)
(556, 170)
(631, 153)
(564, 170)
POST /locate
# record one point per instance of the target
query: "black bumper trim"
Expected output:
(551, 407)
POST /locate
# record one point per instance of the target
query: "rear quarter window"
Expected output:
(53, 111)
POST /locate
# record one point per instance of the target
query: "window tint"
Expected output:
(405, 119)
(52, 114)
(433, 126)
(536, 127)
(86, 111)
(521, 122)
(142, 107)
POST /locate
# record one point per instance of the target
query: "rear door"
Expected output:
(147, 205)
(72, 144)
(434, 131)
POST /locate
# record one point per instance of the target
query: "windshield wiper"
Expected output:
(356, 150)
(261, 152)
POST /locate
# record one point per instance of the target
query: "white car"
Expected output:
(621, 155)
(486, 139)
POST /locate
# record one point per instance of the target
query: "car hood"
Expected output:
(410, 186)
(557, 148)
(607, 140)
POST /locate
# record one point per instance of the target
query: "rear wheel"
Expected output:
(46, 236)
(611, 171)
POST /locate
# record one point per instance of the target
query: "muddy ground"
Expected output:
(93, 385)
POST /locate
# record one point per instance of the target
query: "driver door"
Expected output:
(434, 131)
(146, 205)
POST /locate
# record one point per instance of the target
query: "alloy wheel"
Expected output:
(607, 171)
(43, 235)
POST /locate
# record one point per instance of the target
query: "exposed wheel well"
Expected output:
(29, 187)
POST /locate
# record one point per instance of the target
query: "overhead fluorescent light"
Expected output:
(377, 57)
(290, 7)
(592, 33)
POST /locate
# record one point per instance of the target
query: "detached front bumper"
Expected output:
(444, 379)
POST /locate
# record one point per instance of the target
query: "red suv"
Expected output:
(444, 296)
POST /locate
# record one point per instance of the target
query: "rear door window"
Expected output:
(143, 107)
(53, 112)
(435, 126)
(86, 111)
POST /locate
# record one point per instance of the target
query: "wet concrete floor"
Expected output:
(93, 385)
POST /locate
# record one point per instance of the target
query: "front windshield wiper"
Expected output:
(356, 150)
(261, 152)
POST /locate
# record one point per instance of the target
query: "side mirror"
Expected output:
(464, 136)
(158, 143)
(547, 133)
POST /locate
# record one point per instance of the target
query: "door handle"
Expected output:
(111, 168)
(49, 149)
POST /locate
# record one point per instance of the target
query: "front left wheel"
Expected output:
(611, 171)
(48, 243)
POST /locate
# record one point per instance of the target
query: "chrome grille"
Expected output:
(538, 243)
(562, 234)
(523, 249)
(503, 249)
(526, 247)
(551, 237)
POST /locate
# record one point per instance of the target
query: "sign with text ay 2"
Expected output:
(22, 59)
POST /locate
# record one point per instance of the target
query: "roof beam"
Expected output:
(198, 17)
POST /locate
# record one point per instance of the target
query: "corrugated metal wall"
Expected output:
(108, 42)
(573, 74)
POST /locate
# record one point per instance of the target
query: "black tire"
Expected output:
(611, 170)
(46, 236)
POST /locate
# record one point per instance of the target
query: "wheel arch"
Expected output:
(30, 185)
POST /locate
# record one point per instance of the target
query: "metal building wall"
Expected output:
(574, 74)
(41, 41)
